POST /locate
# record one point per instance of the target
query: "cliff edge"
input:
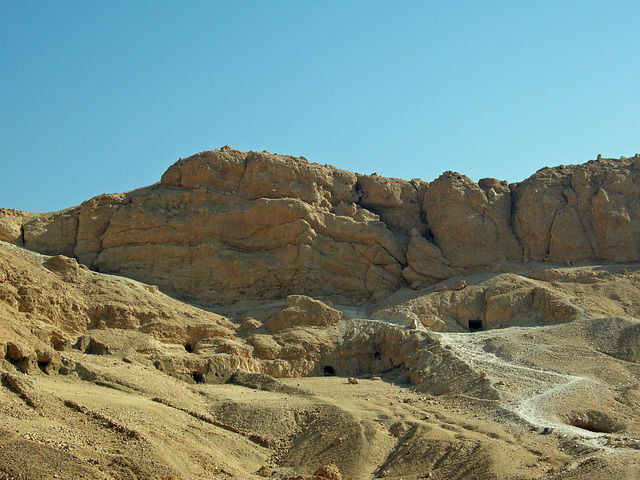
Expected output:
(226, 225)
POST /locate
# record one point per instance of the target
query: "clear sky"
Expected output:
(103, 96)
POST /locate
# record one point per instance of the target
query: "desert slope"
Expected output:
(270, 316)
(105, 377)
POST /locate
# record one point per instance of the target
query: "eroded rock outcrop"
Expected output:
(471, 223)
(226, 225)
(583, 212)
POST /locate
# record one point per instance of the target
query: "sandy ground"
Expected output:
(132, 421)
(554, 401)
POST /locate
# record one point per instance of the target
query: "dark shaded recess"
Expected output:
(377, 355)
(328, 371)
(188, 348)
(90, 346)
(429, 237)
(595, 422)
(197, 377)
(475, 325)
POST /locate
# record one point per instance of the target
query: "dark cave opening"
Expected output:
(475, 325)
(328, 371)
(188, 348)
(198, 378)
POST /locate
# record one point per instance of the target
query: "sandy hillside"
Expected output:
(255, 315)
(105, 377)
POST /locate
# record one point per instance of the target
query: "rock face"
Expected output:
(102, 376)
(471, 223)
(225, 225)
(583, 212)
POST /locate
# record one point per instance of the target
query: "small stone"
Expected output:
(459, 285)
(439, 288)
(264, 471)
(330, 471)
(353, 381)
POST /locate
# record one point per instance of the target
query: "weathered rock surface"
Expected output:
(225, 225)
(102, 376)
(583, 212)
(471, 223)
(302, 311)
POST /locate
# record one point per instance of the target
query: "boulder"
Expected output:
(329, 471)
(425, 262)
(303, 311)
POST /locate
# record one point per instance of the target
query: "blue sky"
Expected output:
(103, 96)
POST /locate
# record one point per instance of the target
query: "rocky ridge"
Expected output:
(224, 225)
(276, 318)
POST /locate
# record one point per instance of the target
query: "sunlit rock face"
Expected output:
(226, 225)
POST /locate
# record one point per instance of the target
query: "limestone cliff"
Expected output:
(226, 225)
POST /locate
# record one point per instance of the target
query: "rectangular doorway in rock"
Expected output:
(475, 325)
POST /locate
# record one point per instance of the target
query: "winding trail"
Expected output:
(532, 388)
(527, 390)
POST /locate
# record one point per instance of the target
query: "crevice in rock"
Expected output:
(513, 193)
(588, 230)
(76, 238)
(359, 193)
(43, 366)
(244, 174)
(429, 237)
(547, 251)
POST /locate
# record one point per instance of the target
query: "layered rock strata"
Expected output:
(225, 225)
